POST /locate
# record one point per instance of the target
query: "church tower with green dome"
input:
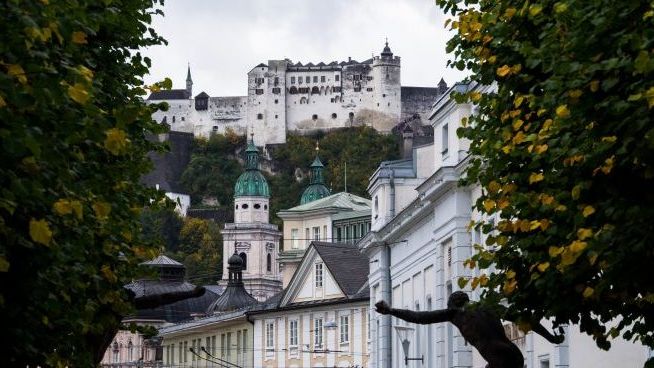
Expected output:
(316, 188)
(251, 236)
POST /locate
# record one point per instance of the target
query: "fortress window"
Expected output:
(276, 90)
(292, 90)
(314, 117)
(244, 206)
(331, 100)
(351, 115)
(315, 90)
(315, 79)
(303, 100)
(244, 257)
(334, 115)
(336, 89)
(322, 78)
(377, 104)
(276, 101)
(215, 128)
(276, 80)
(307, 79)
(259, 116)
(389, 104)
(337, 77)
(182, 118)
(259, 91)
(299, 80)
(357, 89)
(369, 78)
(292, 80)
(265, 206)
(369, 89)
(276, 116)
(386, 76)
(236, 206)
(257, 206)
(384, 95)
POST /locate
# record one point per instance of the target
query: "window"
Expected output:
(316, 233)
(244, 257)
(444, 139)
(130, 351)
(357, 77)
(307, 236)
(259, 91)
(257, 206)
(276, 101)
(185, 351)
(295, 244)
(179, 356)
(351, 116)
(173, 119)
(317, 332)
(307, 79)
(214, 128)
(276, 80)
(244, 206)
(337, 77)
(270, 335)
(245, 341)
(292, 333)
(357, 88)
(116, 351)
(324, 232)
(345, 329)
(269, 263)
(315, 79)
(292, 90)
(333, 114)
(322, 78)
(369, 89)
(318, 276)
(336, 89)
(259, 116)
(315, 90)
(222, 345)
(276, 90)
(229, 345)
(299, 80)
(292, 80)
(213, 345)
(314, 117)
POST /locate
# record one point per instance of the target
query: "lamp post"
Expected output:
(403, 334)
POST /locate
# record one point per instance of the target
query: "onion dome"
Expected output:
(316, 189)
(252, 183)
(235, 296)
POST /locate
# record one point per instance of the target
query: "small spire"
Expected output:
(188, 73)
(386, 41)
(317, 146)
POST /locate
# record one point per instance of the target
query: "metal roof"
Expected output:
(338, 200)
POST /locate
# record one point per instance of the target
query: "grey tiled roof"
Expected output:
(346, 264)
(163, 260)
(170, 94)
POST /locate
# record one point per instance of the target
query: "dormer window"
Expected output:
(318, 275)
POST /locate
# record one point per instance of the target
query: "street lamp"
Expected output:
(403, 334)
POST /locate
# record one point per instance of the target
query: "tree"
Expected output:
(564, 152)
(73, 147)
(201, 249)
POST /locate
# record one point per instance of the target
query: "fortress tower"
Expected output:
(387, 88)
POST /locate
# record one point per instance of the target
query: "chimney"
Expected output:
(349, 58)
(407, 138)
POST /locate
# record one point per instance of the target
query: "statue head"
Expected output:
(457, 300)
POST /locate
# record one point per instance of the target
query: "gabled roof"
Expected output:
(164, 261)
(340, 200)
(169, 94)
(261, 65)
(202, 95)
(345, 263)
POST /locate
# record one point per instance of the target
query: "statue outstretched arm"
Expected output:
(437, 316)
(538, 328)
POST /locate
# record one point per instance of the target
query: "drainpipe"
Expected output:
(392, 185)
(385, 325)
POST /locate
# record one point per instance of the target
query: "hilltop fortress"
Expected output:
(284, 96)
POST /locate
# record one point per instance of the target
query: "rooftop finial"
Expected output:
(386, 41)
(317, 146)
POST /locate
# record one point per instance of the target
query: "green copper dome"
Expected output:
(251, 183)
(316, 188)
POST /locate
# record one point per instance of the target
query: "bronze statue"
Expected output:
(480, 326)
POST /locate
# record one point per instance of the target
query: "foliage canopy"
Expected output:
(564, 151)
(73, 147)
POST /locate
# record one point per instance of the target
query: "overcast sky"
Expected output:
(224, 39)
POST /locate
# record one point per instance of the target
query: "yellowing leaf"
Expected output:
(509, 287)
(79, 37)
(588, 292)
(518, 101)
(544, 224)
(648, 14)
(546, 199)
(493, 187)
(584, 233)
(78, 93)
(62, 207)
(475, 96)
(649, 94)
(4, 264)
(516, 69)
(535, 177)
(576, 191)
(2, 102)
(562, 111)
(503, 70)
(116, 141)
(610, 139)
(519, 138)
(510, 274)
(560, 7)
(543, 266)
(101, 209)
(555, 251)
(535, 9)
(608, 165)
(575, 93)
(541, 148)
(560, 208)
(108, 274)
(592, 258)
(474, 283)
(588, 210)
(489, 205)
(40, 231)
(85, 72)
(77, 208)
(17, 71)
(517, 124)
(594, 85)
(534, 224)
(509, 12)
(568, 257)
(502, 203)
(578, 246)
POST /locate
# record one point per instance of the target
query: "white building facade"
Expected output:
(417, 246)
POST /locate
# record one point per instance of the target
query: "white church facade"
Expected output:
(293, 97)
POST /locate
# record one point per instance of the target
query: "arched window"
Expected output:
(244, 206)
(292, 90)
(334, 115)
(322, 90)
(259, 116)
(244, 257)
(314, 117)
(303, 100)
(376, 206)
(315, 90)
(337, 99)
(269, 263)
(130, 351)
(115, 352)
(351, 115)
(257, 206)
(265, 206)
(236, 206)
